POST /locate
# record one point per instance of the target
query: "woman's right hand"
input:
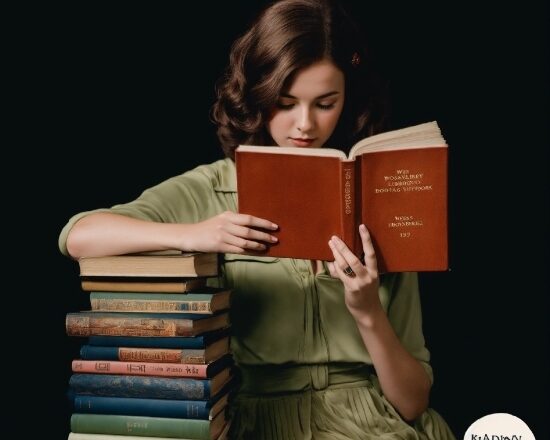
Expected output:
(229, 232)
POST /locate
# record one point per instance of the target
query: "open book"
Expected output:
(394, 182)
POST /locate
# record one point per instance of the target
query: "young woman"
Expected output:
(325, 350)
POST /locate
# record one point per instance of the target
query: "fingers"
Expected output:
(239, 233)
(368, 249)
(250, 220)
(250, 234)
(332, 269)
(346, 264)
(344, 258)
(336, 268)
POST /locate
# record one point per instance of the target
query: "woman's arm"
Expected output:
(105, 233)
(404, 381)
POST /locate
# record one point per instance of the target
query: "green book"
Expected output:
(82, 436)
(148, 426)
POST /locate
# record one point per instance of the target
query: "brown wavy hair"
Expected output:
(287, 36)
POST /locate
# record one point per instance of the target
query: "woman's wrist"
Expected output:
(369, 317)
(176, 236)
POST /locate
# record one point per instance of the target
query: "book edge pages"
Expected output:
(295, 151)
(405, 146)
(426, 135)
(219, 405)
(225, 431)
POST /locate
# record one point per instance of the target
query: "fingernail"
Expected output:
(274, 239)
(362, 228)
(335, 239)
(274, 226)
(330, 243)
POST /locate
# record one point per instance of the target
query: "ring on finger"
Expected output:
(349, 272)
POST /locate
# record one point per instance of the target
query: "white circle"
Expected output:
(499, 426)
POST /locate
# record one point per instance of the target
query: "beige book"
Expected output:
(141, 284)
(165, 264)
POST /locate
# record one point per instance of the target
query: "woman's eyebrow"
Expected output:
(325, 95)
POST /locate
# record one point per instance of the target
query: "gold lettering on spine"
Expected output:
(347, 202)
(149, 355)
(149, 305)
(138, 368)
(347, 191)
(103, 366)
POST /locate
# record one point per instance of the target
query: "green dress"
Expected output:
(305, 370)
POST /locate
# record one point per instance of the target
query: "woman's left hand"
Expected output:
(360, 279)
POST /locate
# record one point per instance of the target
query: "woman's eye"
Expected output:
(325, 106)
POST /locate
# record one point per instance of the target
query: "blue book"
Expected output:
(149, 387)
(182, 409)
(192, 342)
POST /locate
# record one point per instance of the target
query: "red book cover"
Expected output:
(395, 183)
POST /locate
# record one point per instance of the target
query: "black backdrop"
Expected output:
(122, 96)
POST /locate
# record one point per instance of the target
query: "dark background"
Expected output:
(121, 97)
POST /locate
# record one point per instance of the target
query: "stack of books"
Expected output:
(157, 361)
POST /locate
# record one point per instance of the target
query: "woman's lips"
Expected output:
(298, 142)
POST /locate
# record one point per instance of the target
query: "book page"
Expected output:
(323, 152)
(418, 136)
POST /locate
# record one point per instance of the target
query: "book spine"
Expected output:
(140, 368)
(195, 342)
(86, 325)
(83, 436)
(187, 409)
(192, 342)
(144, 285)
(140, 386)
(141, 426)
(347, 209)
(155, 302)
(90, 352)
(129, 354)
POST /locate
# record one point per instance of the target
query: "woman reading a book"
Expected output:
(325, 350)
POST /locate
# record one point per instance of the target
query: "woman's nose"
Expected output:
(305, 120)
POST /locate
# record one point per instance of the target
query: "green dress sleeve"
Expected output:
(405, 315)
(188, 198)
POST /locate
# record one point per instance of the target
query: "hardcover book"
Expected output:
(207, 301)
(82, 436)
(142, 324)
(395, 183)
(210, 353)
(141, 284)
(161, 369)
(161, 264)
(148, 426)
(149, 387)
(193, 342)
(186, 409)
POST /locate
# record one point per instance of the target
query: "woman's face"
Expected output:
(308, 110)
